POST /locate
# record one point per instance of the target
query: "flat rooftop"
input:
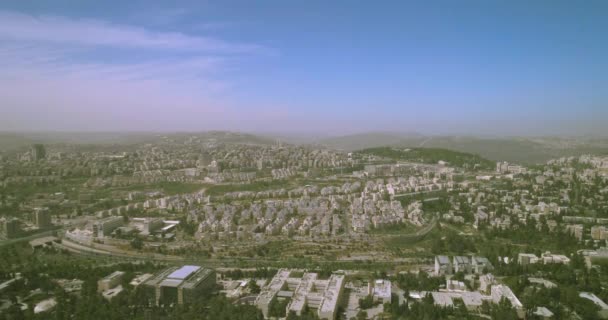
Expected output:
(183, 272)
(461, 259)
(114, 275)
(382, 288)
(141, 279)
(443, 259)
(442, 299)
(199, 275)
(332, 293)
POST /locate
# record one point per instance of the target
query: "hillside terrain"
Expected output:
(10, 141)
(516, 149)
(431, 156)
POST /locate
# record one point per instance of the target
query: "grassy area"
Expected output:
(215, 190)
(395, 229)
(172, 188)
(407, 240)
(169, 188)
(26, 190)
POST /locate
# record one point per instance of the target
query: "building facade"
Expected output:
(180, 285)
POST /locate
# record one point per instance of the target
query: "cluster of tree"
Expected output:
(257, 273)
(453, 243)
(528, 235)
(418, 282)
(189, 228)
(278, 307)
(135, 303)
(432, 156)
(562, 301)
(440, 205)
(366, 302)
(423, 309)
(253, 287)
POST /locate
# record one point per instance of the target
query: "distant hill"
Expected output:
(431, 156)
(19, 139)
(11, 141)
(518, 150)
(233, 137)
(368, 140)
(513, 149)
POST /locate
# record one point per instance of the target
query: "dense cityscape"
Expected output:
(246, 227)
(303, 160)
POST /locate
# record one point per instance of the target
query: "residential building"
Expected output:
(110, 281)
(104, 227)
(462, 264)
(10, 227)
(576, 230)
(599, 233)
(455, 285)
(443, 265)
(548, 257)
(38, 152)
(527, 258)
(42, 218)
(481, 265)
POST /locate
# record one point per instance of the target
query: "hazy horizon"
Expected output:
(439, 68)
(306, 134)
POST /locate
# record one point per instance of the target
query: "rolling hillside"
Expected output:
(513, 149)
(368, 140)
(431, 156)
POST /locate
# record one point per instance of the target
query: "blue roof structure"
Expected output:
(183, 272)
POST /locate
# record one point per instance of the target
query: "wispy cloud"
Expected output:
(90, 74)
(93, 32)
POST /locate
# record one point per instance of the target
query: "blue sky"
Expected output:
(336, 67)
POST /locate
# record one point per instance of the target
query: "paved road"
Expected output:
(85, 250)
(29, 238)
(211, 262)
(419, 233)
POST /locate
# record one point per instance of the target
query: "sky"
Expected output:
(336, 67)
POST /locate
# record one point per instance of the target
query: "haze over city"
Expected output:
(331, 68)
(303, 160)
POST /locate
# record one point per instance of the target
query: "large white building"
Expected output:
(180, 285)
(501, 291)
(104, 227)
(305, 290)
(110, 281)
(546, 258)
